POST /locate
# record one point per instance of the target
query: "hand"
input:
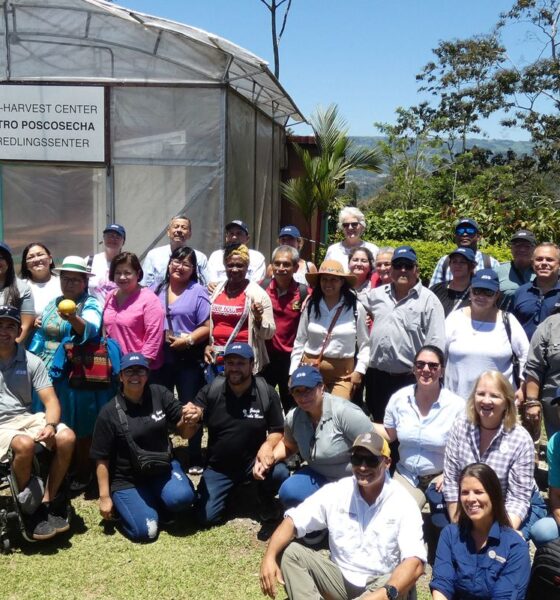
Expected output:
(37, 322)
(209, 354)
(438, 482)
(259, 470)
(106, 507)
(519, 398)
(266, 456)
(63, 316)
(211, 287)
(355, 380)
(257, 310)
(270, 577)
(191, 414)
(177, 343)
(46, 434)
(369, 321)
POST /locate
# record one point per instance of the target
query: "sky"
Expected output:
(362, 55)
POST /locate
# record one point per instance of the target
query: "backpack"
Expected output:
(545, 573)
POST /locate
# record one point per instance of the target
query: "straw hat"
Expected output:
(331, 267)
(76, 264)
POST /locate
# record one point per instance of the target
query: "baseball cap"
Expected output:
(438, 508)
(238, 223)
(5, 247)
(486, 279)
(524, 235)
(466, 253)
(305, 376)
(465, 221)
(10, 312)
(374, 443)
(239, 349)
(290, 231)
(116, 228)
(404, 253)
(134, 359)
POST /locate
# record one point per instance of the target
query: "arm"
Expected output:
(27, 323)
(363, 341)
(520, 479)
(270, 574)
(452, 469)
(403, 578)
(300, 341)
(48, 397)
(444, 572)
(105, 502)
(262, 313)
(513, 579)
(435, 326)
(191, 420)
(152, 314)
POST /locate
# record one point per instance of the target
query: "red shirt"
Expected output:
(287, 312)
(226, 313)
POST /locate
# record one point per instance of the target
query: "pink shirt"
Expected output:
(137, 324)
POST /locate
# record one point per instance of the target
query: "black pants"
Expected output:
(276, 374)
(380, 386)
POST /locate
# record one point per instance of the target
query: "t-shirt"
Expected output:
(189, 311)
(451, 300)
(26, 304)
(226, 313)
(100, 285)
(237, 427)
(148, 428)
(44, 292)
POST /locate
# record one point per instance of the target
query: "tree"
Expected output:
(274, 6)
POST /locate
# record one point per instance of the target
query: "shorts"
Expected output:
(26, 424)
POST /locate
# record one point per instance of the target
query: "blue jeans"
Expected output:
(138, 506)
(300, 486)
(544, 530)
(215, 487)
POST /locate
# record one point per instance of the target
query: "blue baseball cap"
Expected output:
(404, 253)
(238, 223)
(305, 376)
(134, 359)
(240, 349)
(465, 221)
(5, 247)
(116, 228)
(466, 253)
(486, 279)
(289, 231)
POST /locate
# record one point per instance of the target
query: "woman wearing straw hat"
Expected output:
(332, 333)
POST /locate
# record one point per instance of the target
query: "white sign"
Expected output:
(52, 123)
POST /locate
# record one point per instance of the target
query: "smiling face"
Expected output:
(126, 277)
(180, 270)
(466, 236)
(460, 267)
(72, 284)
(9, 331)
(38, 261)
(352, 229)
(546, 263)
(236, 235)
(282, 265)
(475, 500)
(179, 231)
(308, 399)
(359, 265)
(383, 267)
(522, 253)
(331, 286)
(236, 269)
(489, 403)
(404, 273)
(428, 369)
(237, 370)
(368, 469)
(134, 379)
(113, 241)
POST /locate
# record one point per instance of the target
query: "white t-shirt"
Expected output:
(217, 271)
(99, 285)
(43, 293)
(341, 253)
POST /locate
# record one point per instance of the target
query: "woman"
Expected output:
(144, 414)
(477, 338)
(332, 333)
(420, 416)
(15, 292)
(186, 324)
(455, 293)
(290, 236)
(480, 557)
(133, 315)
(100, 285)
(352, 223)
(383, 266)
(362, 265)
(240, 311)
(80, 407)
(322, 428)
(37, 267)
(490, 433)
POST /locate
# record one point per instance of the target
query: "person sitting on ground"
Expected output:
(480, 557)
(114, 236)
(37, 268)
(375, 536)
(22, 373)
(467, 235)
(454, 294)
(322, 428)
(245, 423)
(290, 236)
(132, 427)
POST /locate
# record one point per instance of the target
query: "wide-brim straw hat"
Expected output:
(331, 267)
(76, 264)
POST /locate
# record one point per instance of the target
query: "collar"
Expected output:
(291, 288)
(533, 287)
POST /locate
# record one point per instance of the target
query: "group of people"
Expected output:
(389, 393)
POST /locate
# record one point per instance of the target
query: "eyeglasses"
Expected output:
(482, 292)
(369, 460)
(71, 280)
(399, 265)
(181, 265)
(422, 364)
(465, 231)
(353, 224)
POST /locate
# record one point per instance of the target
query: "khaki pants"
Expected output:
(335, 372)
(416, 492)
(311, 575)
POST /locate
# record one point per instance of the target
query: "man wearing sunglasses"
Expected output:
(406, 317)
(375, 535)
(467, 235)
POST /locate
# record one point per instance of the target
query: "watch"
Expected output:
(392, 591)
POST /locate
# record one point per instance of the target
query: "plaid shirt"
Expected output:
(511, 454)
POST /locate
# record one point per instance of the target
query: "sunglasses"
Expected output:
(421, 365)
(348, 225)
(465, 231)
(399, 265)
(482, 292)
(369, 460)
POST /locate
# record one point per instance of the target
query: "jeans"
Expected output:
(276, 373)
(215, 487)
(544, 530)
(300, 486)
(138, 506)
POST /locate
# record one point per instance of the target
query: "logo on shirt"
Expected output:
(159, 415)
(252, 413)
(492, 554)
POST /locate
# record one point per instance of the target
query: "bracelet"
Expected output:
(53, 425)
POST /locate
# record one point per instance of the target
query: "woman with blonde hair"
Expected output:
(490, 433)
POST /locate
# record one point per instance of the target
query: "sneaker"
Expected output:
(59, 523)
(196, 470)
(40, 526)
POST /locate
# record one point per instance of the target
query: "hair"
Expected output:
(237, 249)
(548, 245)
(24, 271)
(294, 254)
(505, 389)
(386, 250)
(10, 289)
(182, 217)
(369, 255)
(347, 293)
(180, 254)
(351, 211)
(125, 258)
(491, 484)
(434, 350)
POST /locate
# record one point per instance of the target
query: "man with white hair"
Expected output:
(352, 223)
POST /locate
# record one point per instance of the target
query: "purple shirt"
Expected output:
(189, 311)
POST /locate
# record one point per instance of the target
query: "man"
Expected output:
(534, 301)
(237, 232)
(375, 536)
(114, 236)
(406, 317)
(245, 422)
(519, 270)
(467, 235)
(179, 233)
(287, 298)
(20, 373)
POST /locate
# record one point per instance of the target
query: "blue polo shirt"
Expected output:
(500, 571)
(531, 307)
